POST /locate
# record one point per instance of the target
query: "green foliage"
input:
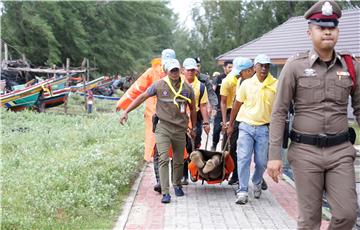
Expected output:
(66, 172)
(116, 36)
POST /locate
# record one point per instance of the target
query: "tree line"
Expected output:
(123, 36)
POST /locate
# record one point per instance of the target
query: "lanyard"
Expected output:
(177, 94)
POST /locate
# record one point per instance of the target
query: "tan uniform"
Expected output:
(171, 129)
(320, 96)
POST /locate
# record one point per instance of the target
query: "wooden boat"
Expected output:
(88, 85)
(57, 94)
(101, 96)
(23, 98)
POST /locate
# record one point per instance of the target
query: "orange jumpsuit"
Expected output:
(139, 86)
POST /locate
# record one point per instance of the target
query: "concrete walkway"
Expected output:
(209, 207)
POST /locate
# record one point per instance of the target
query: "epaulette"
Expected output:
(345, 52)
(298, 56)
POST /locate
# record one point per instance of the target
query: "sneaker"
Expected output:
(157, 188)
(184, 181)
(166, 198)
(178, 191)
(233, 181)
(264, 186)
(257, 191)
(241, 198)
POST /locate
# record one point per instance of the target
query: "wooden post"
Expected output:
(87, 79)
(5, 61)
(67, 84)
(84, 88)
(87, 70)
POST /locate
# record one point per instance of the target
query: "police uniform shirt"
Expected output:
(320, 93)
(166, 109)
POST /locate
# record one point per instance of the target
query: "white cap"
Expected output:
(262, 59)
(167, 54)
(190, 63)
(172, 64)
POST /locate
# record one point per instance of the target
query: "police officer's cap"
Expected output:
(324, 14)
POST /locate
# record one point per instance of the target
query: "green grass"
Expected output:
(67, 172)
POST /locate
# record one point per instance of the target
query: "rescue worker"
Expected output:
(321, 156)
(174, 96)
(205, 79)
(227, 94)
(218, 118)
(156, 72)
(201, 103)
(252, 109)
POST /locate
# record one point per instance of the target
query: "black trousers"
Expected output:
(233, 146)
(216, 129)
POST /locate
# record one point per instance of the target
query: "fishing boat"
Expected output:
(20, 99)
(100, 96)
(57, 94)
(88, 85)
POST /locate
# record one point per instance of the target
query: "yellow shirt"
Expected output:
(196, 87)
(257, 98)
(228, 89)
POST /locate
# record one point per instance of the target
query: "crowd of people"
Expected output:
(250, 107)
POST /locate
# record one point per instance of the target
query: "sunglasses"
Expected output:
(174, 70)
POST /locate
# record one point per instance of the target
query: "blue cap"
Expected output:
(172, 64)
(190, 63)
(166, 55)
(262, 59)
(240, 64)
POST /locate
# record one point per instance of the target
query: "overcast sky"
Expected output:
(183, 9)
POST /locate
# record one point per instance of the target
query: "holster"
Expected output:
(352, 135)
(286, 133)
(155, 120)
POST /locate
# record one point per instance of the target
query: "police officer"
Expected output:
(320, 154)
(173, 97)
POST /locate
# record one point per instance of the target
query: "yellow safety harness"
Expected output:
(177, 94)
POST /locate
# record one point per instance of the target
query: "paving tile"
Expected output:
(212, 207)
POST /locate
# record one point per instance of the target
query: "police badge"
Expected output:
(310, 72)
(327, 9)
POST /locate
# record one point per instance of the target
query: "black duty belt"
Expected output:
(321, 140)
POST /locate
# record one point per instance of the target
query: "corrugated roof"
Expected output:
(290, 38)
